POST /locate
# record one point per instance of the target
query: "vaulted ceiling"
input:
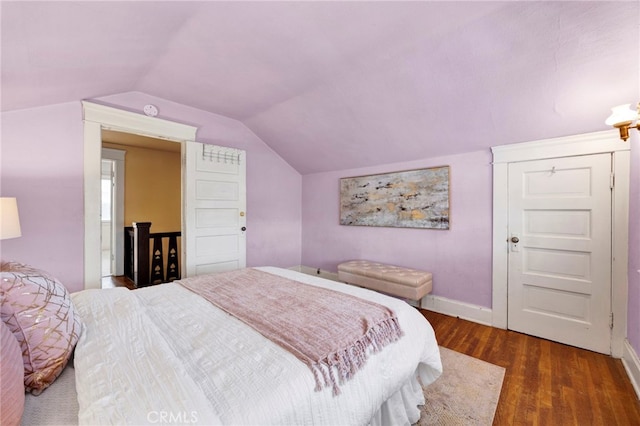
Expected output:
(337, 85)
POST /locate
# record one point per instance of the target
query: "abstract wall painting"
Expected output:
(407, 199)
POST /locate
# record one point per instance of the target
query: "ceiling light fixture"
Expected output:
(622, 118)
(150, 110)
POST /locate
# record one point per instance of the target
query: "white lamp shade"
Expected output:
(9, 220)
(621, 114)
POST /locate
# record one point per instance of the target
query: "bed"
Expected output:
(166, 355)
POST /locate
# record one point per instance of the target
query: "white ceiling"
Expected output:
(337, 85)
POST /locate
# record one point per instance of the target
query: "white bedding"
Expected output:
(163, 355)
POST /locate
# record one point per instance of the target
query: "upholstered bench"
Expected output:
(394, 280)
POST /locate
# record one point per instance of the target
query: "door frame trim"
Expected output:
(96, 118)
(584, 144)
(117, 207)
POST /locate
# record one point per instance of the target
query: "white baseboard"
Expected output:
(453, 308)
(632, 365)
(438, 304)
(316, 272)
(482, 315)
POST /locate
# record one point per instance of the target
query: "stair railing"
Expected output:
(144, 255)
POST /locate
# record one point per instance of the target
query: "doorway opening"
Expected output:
(107, 186)
(149, 196)
(96, 119)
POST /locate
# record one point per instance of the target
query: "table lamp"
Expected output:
(9, 220)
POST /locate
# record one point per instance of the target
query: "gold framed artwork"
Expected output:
(407, 199)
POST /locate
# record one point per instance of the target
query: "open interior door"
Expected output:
(214, 216)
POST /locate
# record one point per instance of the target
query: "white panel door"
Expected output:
(214, 237)
(560, 250)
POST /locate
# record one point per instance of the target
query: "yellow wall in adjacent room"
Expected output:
(152, 187)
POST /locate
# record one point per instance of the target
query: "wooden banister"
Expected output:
(141, 266)
(144, 264)
(128, 252)
(158, 272)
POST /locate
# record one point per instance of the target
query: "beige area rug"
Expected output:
(467, 393)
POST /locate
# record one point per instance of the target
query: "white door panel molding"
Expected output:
(586, 144)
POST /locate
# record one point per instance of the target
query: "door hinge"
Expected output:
(612, 180)
(611, 320)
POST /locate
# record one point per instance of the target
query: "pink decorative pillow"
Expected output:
(38, 310)
(12, 379)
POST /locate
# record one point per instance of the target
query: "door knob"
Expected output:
(515, 240)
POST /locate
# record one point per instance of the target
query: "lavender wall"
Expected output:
(42, 165)
(460, 258)
(633, 319)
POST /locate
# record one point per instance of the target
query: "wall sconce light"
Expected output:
(622, 118)
(9, 220)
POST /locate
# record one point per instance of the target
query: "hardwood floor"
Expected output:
(117, 281)
(545, 383)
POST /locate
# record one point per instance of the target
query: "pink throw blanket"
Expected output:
(331, 332)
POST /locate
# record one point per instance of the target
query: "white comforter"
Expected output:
(163, 355)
